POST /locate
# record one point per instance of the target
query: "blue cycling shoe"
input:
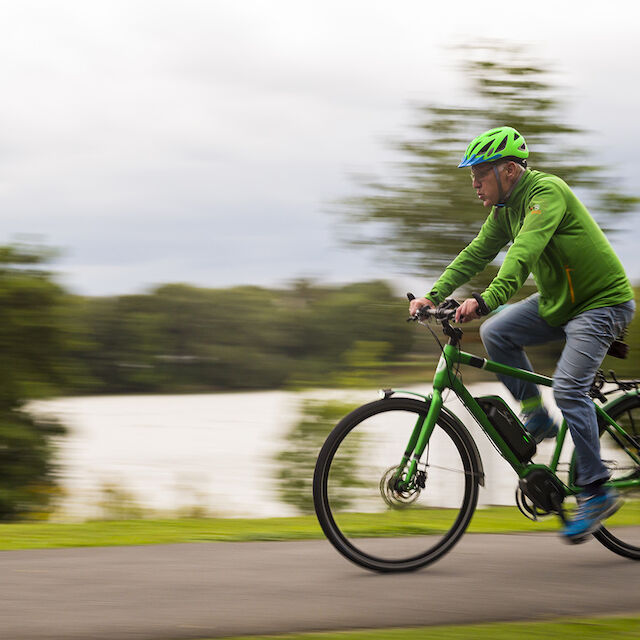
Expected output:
(540, 425)
(592, 509)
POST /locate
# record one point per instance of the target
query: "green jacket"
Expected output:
(554, 238)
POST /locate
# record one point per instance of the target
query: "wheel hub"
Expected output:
(396, 497)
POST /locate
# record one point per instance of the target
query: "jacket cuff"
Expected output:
(483, 309)
(490, 300)
(434, 296)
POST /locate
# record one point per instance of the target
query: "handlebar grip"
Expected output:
(483, 310)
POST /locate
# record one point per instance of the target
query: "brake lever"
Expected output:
(420, 316)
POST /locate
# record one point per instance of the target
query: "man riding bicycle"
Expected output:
(584, 297)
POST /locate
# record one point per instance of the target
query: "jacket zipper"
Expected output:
(567, 270)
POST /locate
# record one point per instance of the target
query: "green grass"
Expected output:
(147, 531)
(570, 629)
(135, 532)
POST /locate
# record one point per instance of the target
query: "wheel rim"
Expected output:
(379, 524)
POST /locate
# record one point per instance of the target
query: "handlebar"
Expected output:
(445, 311)
(438, 314)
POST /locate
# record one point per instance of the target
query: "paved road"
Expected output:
(215, 589)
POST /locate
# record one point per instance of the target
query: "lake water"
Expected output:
(214, 451)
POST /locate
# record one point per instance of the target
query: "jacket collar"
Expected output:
(515, 197)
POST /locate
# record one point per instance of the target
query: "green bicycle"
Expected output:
(397, 480)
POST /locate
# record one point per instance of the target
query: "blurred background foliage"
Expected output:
(34, 347)
(182, 338)
(297, 460)
(421, 215)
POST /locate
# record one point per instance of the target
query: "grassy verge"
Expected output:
(571, 629)
(136, 532)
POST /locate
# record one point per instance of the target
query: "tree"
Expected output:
(297, 460)
(186, 338)
(33, 347)
(426, 215)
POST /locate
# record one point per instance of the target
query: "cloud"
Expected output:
(206, 139)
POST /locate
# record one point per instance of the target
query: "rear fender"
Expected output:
(616, 401)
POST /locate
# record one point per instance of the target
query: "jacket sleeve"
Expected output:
(471, 260)
(543, 213)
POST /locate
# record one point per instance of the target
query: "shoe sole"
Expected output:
(548, 434)
(583, 537)
(551, 435)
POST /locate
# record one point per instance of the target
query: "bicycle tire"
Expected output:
(373, 545)
(621, 532)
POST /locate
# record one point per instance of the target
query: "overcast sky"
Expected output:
(203, 141)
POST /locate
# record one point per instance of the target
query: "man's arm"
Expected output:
(471, 260)
(545, 210)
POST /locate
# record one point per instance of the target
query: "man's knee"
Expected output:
(567, 391)
(490, 332)
(496, 336)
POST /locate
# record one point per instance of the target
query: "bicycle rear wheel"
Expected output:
(358, 504)
(621, 532)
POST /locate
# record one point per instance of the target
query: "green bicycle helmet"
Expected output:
(503, 142)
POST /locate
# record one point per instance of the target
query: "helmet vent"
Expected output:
(486, 147)
(523, 147)
(516, 136)
(502, 145)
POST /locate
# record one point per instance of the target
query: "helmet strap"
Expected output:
(501, 197)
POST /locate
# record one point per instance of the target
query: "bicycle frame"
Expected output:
(446, 378)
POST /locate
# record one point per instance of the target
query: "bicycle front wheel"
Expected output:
(362, 511)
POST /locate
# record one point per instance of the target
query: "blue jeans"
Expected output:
(588, 337)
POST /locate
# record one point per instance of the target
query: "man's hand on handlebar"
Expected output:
(417, 303)
(467, 311)
(470, 309)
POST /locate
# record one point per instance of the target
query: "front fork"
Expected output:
(417, 444)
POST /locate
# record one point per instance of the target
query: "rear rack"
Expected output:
(600, 380)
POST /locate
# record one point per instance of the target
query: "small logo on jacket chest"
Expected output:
(535, 208)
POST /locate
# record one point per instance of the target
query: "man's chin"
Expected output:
(487, 203)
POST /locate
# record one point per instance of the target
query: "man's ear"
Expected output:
(513, 169)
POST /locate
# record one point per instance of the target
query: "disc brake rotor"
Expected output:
(398, 498)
